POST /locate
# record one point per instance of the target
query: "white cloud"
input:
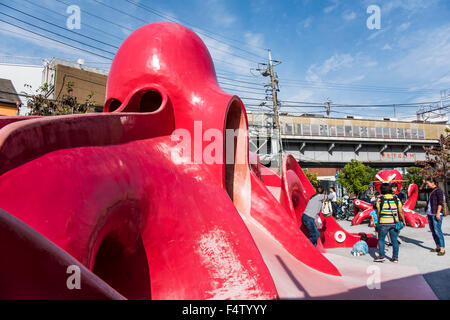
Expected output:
(254, 39)
(334, 63)
(403, 26)
(220, 14)
(307, 22)
(331, 7)
(387, 47)
(349, 16)
(408, 5)
(425, 58)
(375, 34)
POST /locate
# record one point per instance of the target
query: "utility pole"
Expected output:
(276, 118)
(328, 110)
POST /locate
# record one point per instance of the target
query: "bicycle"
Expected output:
(345, 209)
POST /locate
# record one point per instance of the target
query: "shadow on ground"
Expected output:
(440, 282)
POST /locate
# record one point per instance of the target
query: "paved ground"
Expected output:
(414, 251)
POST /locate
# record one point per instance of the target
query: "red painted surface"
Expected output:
(5, 120)
(114, 194)
(413, 219)
(363, 211)
(296, 192)
(388, 176)
(106, 189)
(36, 268)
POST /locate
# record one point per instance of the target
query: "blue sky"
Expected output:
(325, 46)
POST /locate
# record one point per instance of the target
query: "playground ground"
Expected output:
(414, 252)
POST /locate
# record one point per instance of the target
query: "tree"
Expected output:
(356, 177)
(40, 105)
(437, 160)
(413, 176)
(312, 177)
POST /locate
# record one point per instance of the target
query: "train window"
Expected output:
(306, 129)
(348, 131)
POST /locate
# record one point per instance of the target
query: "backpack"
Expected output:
(327, 209)
(397, 200)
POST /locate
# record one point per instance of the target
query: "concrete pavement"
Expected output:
(414, 251)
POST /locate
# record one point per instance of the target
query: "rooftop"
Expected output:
(8, 94)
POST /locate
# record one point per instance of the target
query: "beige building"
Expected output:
(86, 80)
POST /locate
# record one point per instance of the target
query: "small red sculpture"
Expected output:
(413, 219)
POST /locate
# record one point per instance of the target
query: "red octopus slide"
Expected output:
(149, 200)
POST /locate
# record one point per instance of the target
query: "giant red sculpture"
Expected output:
(118, 195)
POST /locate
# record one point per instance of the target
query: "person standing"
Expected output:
(396, 194)
(334, 203)
(369, 194)
(388, 211)
(311, 213)
(434, 210)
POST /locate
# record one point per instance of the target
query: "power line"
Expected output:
(98, 17)
(331, 84)
(57, 34)
(103, 32)
(357, 89)
(238, 90)
(240, 86)
(133, 16)
(240, 81)
(55, 25)
(199, 30)
(63, 43)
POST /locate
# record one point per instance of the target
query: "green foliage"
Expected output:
(356, 177)
(312, 177)
(413, 176)
(40, 105)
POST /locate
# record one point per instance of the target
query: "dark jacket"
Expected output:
(436, 198)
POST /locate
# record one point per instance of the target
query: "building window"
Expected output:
(413, 133)
(400, 133)
(386, 133)
(356, 131)
(323, 130)
(333, 131)
(379, 132)
(364, 132)
(348, 131)
(372, 132)
(314, 130)
(298, 129)
(394, 133)
(288, 128)
(340, 131)
(408, 133)
(421, 134)
(306, 129)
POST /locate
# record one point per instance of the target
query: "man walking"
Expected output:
(434, 210)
